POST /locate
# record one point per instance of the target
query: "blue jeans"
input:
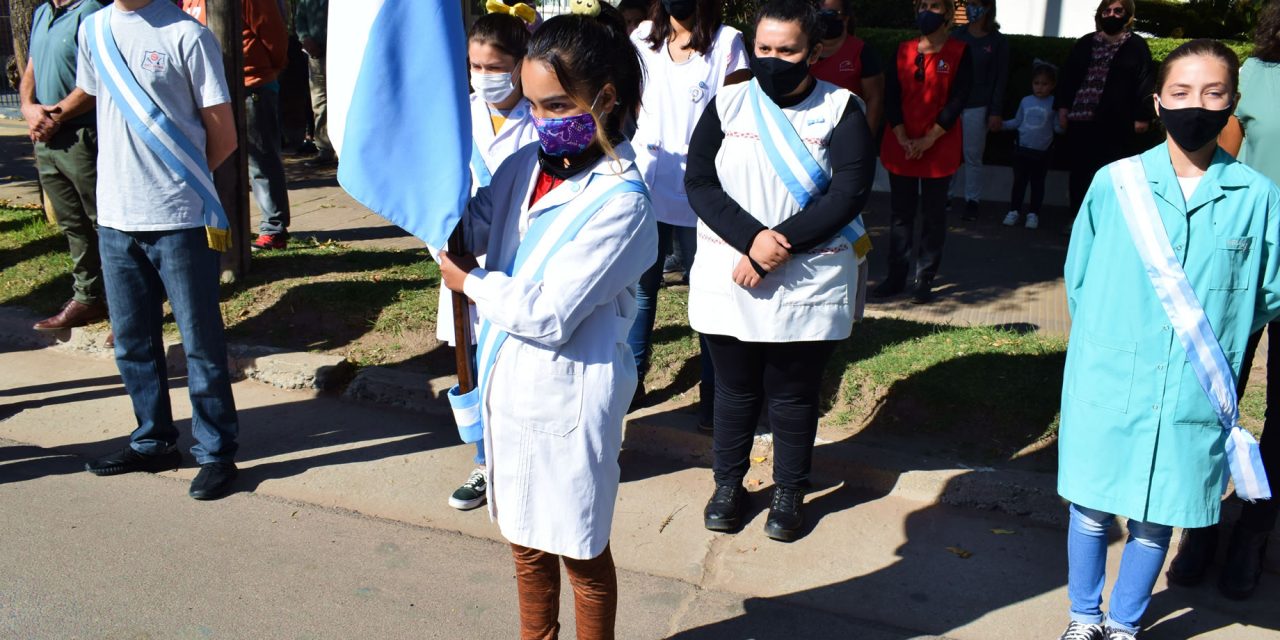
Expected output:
(640, 339)
(139, 269)
(1140, 565)
(266, 168)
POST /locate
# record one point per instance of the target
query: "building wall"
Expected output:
(1063, 18)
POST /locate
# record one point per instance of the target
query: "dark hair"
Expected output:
(503, 32)
(1047, 70)
(1129, 8)
(635, 5)
(586, 53)
(801, 12)
(707, 19)
(1201, 47)
(1266, 36)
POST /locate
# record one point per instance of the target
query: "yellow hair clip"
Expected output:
(519, 10)
(585, 7)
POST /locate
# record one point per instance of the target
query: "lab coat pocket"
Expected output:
(1194, 405)
(1231, 264)
(824, 277)
(1103, 372)
(550, 400)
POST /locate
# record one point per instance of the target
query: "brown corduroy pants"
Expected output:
(595, 594)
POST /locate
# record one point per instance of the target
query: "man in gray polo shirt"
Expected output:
(60, 118)
(155, 231)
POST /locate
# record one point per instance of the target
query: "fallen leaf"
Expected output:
(1003, 532)
(758, 460)
(294, 514)
(961, 553)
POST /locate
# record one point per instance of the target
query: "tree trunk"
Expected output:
(232, 178)
(20, 12)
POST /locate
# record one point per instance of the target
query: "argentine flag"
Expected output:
(398, 114)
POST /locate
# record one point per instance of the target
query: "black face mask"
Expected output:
(777, 77)
(680, 9)
(1194, 127)
(1112, 25)
(832, 25)
(929, 22)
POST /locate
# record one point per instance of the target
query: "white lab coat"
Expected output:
(562, 383)
(516, 132)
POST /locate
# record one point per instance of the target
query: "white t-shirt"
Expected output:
(675, 95)
(1189, 186)
(178, 63)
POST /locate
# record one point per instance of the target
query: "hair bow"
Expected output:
(519, 10)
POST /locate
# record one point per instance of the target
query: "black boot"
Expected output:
(1196, 550)
(1243, 566)
(922, 292)
(785, 516)
(725, 508)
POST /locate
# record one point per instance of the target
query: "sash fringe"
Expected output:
(219, 239)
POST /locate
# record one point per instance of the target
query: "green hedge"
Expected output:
(1225, 19)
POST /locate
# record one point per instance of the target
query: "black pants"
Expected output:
(1261, 515)
(1090, 147)
(1030, 168)
(788, 375)
(907, 196)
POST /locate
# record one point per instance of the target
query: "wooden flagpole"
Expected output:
(462, 323)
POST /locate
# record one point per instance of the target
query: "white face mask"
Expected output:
(492, 87)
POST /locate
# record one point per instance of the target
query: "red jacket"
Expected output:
(266, 41)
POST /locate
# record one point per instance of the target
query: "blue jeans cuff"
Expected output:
(1111, 622)
(1086, 618)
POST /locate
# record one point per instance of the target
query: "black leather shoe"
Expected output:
(214, 481)
(1196, 550)
(1243, 566)
(922, 293)
(887, 289)
(129, 461)
(785, 517)
(725, 508)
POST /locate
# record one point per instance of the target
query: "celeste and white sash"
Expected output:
(1190, 323)
(478, 167)
(161, 134)
(800, 172)
(548, 233)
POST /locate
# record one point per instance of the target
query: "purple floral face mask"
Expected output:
(565, 136)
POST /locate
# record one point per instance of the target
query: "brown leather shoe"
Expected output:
(74, 314)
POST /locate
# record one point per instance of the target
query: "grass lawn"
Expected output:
(978, 394)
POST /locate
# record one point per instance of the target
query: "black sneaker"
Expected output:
(922, 293)
(785, 517)
(1196, 550)
(887, 289)
(1082, 631)
(1243, 566)
(472, 492)
(1111, 633)
(724, 509)
(214, 481)
(970, 211)
(129, 461)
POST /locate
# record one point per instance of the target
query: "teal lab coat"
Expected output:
(1138, 436)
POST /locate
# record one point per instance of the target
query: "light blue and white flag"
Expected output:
(1213, 371)
(398, 111)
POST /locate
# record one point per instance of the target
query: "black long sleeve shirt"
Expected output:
(852, 157)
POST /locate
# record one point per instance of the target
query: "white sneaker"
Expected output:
(1033, 221)
(1011, 219)
(472, 492)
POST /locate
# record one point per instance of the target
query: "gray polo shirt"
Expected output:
(53, 50)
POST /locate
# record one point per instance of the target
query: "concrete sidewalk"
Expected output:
(871, 560)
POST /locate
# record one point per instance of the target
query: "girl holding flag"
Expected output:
(778, 170)
(501, 123)
(566, 229)
(1174, 262)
